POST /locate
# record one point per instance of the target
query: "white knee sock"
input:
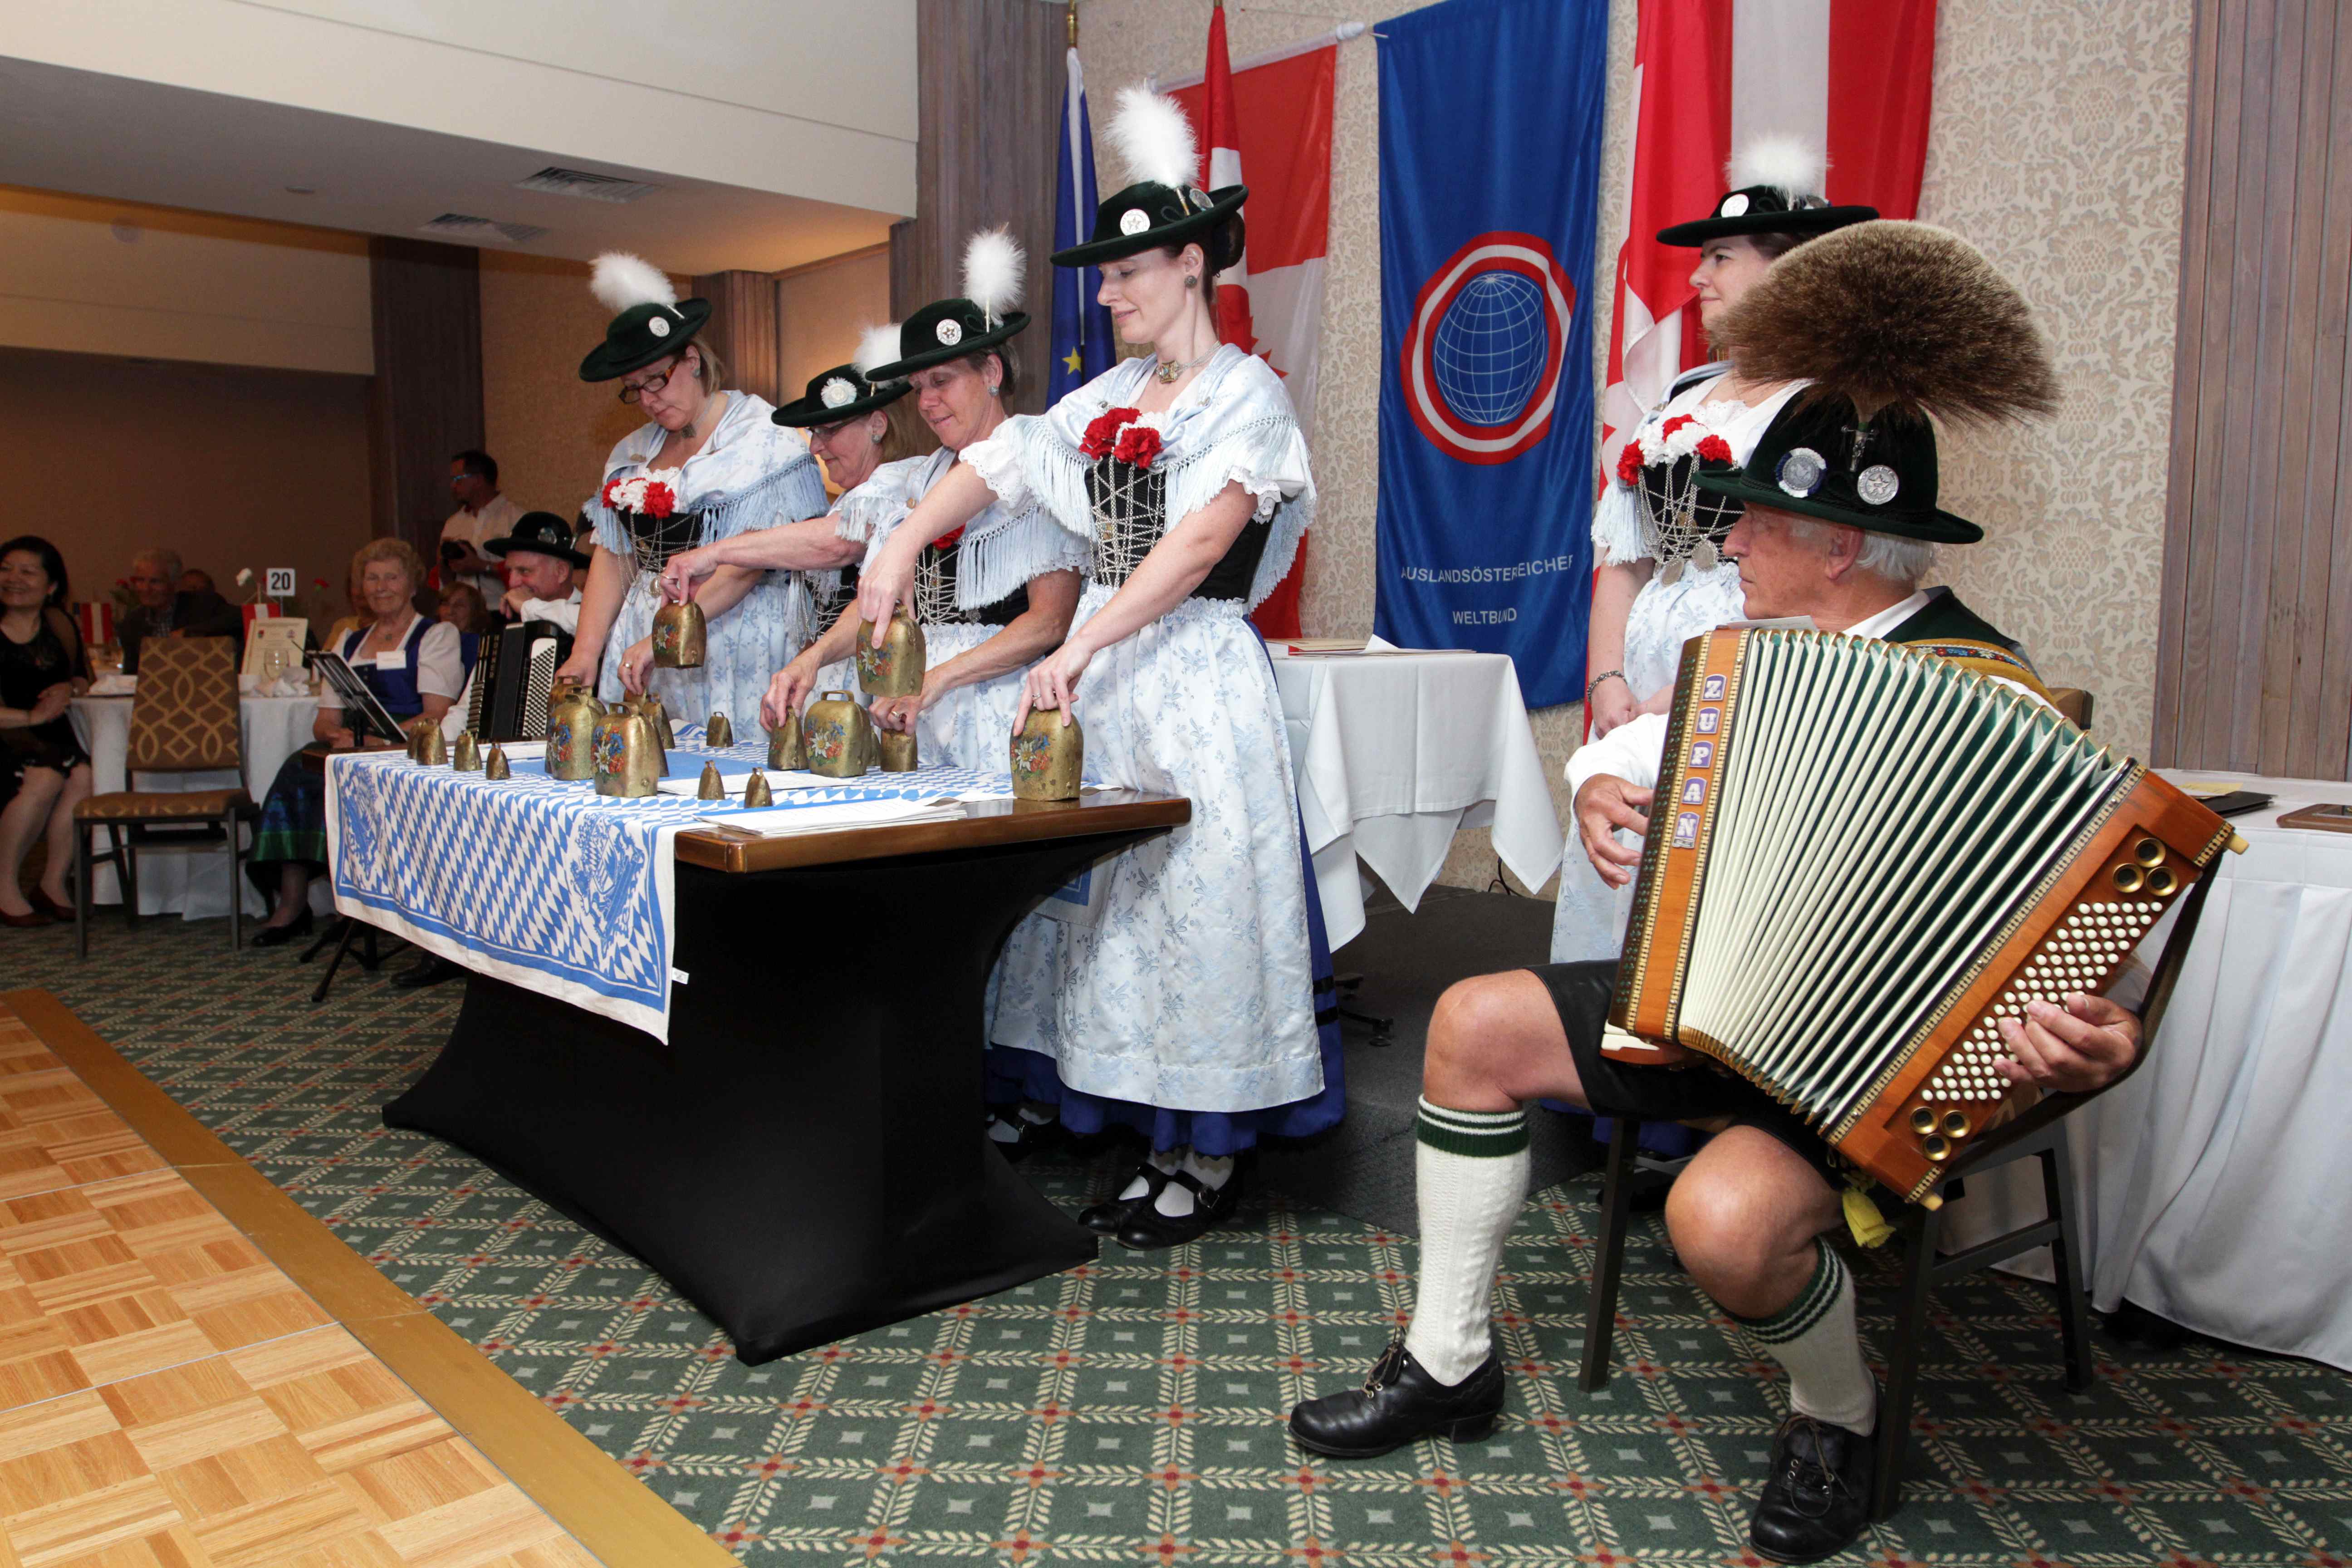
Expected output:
(1163, 1160)
(1813, 1337)
(1471, 1173)
(1212, 1171)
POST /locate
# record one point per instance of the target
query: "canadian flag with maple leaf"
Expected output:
(1273, 118)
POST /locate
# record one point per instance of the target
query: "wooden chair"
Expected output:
(2037, 1134)
(184, 719)
(2076, 703)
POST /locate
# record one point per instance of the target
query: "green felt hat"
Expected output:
(841, 393)
(1819, 458)
(1148, 215)
(642, 335)
(946, 329)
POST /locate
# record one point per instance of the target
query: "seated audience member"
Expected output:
(44, 772)
(461, 606)
(1839, 516)
(545, 569)
(414, 667)
(196, 580)
(168, 607)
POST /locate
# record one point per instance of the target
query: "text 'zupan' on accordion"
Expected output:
(1860, 856)
(513, 676)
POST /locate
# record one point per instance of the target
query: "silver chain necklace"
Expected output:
(1167, 373)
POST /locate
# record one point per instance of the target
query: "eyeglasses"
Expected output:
(629, 393)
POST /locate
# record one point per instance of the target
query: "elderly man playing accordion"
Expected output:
(1838, 526)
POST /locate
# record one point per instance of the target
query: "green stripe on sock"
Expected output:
(1812, 1303)
(1481, 1134)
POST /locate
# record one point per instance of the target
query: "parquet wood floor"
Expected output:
(169, 1398)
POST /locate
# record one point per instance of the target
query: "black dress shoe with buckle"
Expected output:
(430, 970)
(1109, 1216)
(1399, 1403)
(1148, 1230)
(1816, 1502)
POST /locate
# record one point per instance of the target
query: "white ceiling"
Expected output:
(98, 134)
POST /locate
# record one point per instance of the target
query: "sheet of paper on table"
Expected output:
(835, 819)
(1348, 648)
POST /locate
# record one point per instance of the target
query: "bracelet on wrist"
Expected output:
(1594, 684)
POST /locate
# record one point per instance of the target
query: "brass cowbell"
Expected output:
(838, 737)
(896, 752)
(711, 786)
(465, 757)
(718, 734)
(496, 767)
(757, 792)
(784, 748)
(431, 749)
(896, 668)
(681, 637)
(571, 715)
(1049, 756)
(629, 761)
(650, 705)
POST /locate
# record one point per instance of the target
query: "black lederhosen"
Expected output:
(1699, 1092)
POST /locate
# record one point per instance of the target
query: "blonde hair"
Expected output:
(711, 370)
(398, 551)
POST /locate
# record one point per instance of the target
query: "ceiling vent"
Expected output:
(580, 182)
(481, 230)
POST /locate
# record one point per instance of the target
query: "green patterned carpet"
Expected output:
(1130, 1412)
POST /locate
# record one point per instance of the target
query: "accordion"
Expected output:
(513, 674)
(1860, 856)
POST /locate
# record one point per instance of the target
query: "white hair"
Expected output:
(169, 560)
(1897, 560)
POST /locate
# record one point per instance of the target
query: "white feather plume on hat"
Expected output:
(1789, 164)
(621, 280)
(1154, 139)
(875, 345)
(994, 269)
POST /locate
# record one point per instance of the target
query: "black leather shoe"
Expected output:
(1816, 1502)
(1032, 1137)
(1110, 1216)
(430, 970)
(294, 930)
(1399, 1403)
(1148, 1230)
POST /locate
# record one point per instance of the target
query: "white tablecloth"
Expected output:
(2211, 1182)
(1396, 752)
(171, 883)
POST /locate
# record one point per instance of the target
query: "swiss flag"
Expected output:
(1276, 118)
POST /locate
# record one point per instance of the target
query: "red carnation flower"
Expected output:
(1102, 432)
(1629, 464)
(318, 582)
(659, 501)
(1138, 444)
(1677, 423)
(610, 486)
(947, 541)
(1715, 450)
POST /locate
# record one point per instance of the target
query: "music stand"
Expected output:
(362, 712)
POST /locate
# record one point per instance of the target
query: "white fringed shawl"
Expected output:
(1001, 549)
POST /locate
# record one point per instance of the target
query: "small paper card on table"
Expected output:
(835, 819)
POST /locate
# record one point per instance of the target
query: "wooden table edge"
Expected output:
(1035, 822)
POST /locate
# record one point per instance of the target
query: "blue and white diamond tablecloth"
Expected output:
(545, 884)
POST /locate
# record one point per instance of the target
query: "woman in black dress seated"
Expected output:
(414, 666)
(44, 772)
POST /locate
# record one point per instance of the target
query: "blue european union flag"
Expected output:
(1082, 344)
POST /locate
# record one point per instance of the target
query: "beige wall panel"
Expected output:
(549, 429)
(231, 466)
(821, 310)
(116, 277)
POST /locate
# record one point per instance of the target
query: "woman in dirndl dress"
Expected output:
(1661, 582)
(998, 593)
(1187, 1007)
(730, 469)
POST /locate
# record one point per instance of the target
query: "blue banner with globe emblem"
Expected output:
(1490, 182)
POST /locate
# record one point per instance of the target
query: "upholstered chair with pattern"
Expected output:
(184, 719)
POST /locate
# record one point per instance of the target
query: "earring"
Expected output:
(874, 438)
(992, 389)
(1191, 281)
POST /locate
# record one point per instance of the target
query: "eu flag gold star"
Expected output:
(1070, 361)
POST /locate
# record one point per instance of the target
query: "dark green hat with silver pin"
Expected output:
(650, 320)
(979, 320)
(1775, 188)
(1165, 206)
(1897, 327)
(847, 391)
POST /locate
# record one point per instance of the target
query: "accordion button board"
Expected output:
(1863, 858)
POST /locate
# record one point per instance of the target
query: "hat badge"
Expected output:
(1877, 484)
(1799, 471)
(1134, 220)
(1734, 206)
(950, 331)
(837, 391)
(657, 326)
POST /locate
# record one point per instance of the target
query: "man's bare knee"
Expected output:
(1743, 1218)
(1495, 1038)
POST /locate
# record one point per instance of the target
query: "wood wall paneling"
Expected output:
(991, 78)
(743, 328)
(426, 399)
(2254, 649)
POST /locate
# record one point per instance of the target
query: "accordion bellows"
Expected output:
(1860, 856)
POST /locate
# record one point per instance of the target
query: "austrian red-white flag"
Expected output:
(1273, 118)
(1849, 77)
